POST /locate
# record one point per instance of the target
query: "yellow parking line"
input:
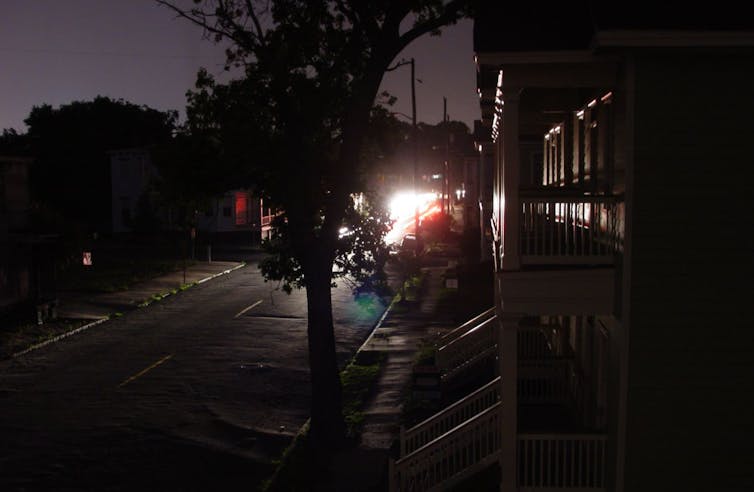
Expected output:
(246, 309)
(141, 373)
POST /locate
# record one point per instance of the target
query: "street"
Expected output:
(196, 392)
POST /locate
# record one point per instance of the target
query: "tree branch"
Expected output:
(398, 65)
(257, 25)
(451, 13)
(230, 29)
(366, 19)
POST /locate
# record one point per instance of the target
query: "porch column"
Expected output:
(487, 183)
(568, 150)
(511, 171)
(508, 363)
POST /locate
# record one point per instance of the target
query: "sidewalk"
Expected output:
(84, 305)
(398, 337)
(77, 311)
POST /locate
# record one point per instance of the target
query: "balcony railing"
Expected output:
(562, 462)
(545, 381)
(546, 462)
(569, 229)
(534, 342)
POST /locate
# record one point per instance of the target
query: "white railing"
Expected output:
(451, 457)
(474, 345)
(466, 327)
(544, 381)
(580, 229)
(561, 462)
(450, 417)
(533, 343)
(577, 386)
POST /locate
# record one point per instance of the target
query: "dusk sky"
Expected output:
(59, 51)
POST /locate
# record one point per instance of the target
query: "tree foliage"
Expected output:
(70, 145)
(299, 119)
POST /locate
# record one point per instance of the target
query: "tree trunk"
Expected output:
(327, 426)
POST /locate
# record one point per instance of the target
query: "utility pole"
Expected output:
(415, 139)
(446, 178)
(416, 157)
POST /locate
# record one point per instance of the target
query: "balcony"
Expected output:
(566, 247)
(569, 230)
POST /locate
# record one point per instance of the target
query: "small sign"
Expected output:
(451, 283)
(87, 258)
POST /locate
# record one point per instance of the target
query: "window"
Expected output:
(242, 208)
(226, 211)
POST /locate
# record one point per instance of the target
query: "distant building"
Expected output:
(133, 172)
(234, 211)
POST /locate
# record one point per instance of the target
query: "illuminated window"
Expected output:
(242, 208)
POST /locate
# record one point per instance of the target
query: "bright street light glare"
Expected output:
(403, 207)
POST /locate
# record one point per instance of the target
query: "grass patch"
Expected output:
(357, 382)
(416, 408)
(297, 469)
(23, 336)
(159, 297)
(114, 275)
(412, 288)
(294, 470)
(425, 356)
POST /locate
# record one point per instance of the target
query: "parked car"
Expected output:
(410, 244)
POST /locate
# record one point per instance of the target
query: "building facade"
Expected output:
(132, 176)
(621, 238)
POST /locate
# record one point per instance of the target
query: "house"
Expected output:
(233, 211)
(622, 245)
(132, 175)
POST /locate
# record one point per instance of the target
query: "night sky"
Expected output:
(58, 51)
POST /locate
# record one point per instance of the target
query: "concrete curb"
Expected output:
(59, 337)
(102, 320)
(224, 272)
(377, 325)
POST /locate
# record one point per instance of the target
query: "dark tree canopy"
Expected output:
(312, 72)
(70, 145)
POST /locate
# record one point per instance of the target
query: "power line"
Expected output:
(48, 51)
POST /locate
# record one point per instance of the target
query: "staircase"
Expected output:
(451, 457)
(464, 439)
(467, 347)
(450, 417)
